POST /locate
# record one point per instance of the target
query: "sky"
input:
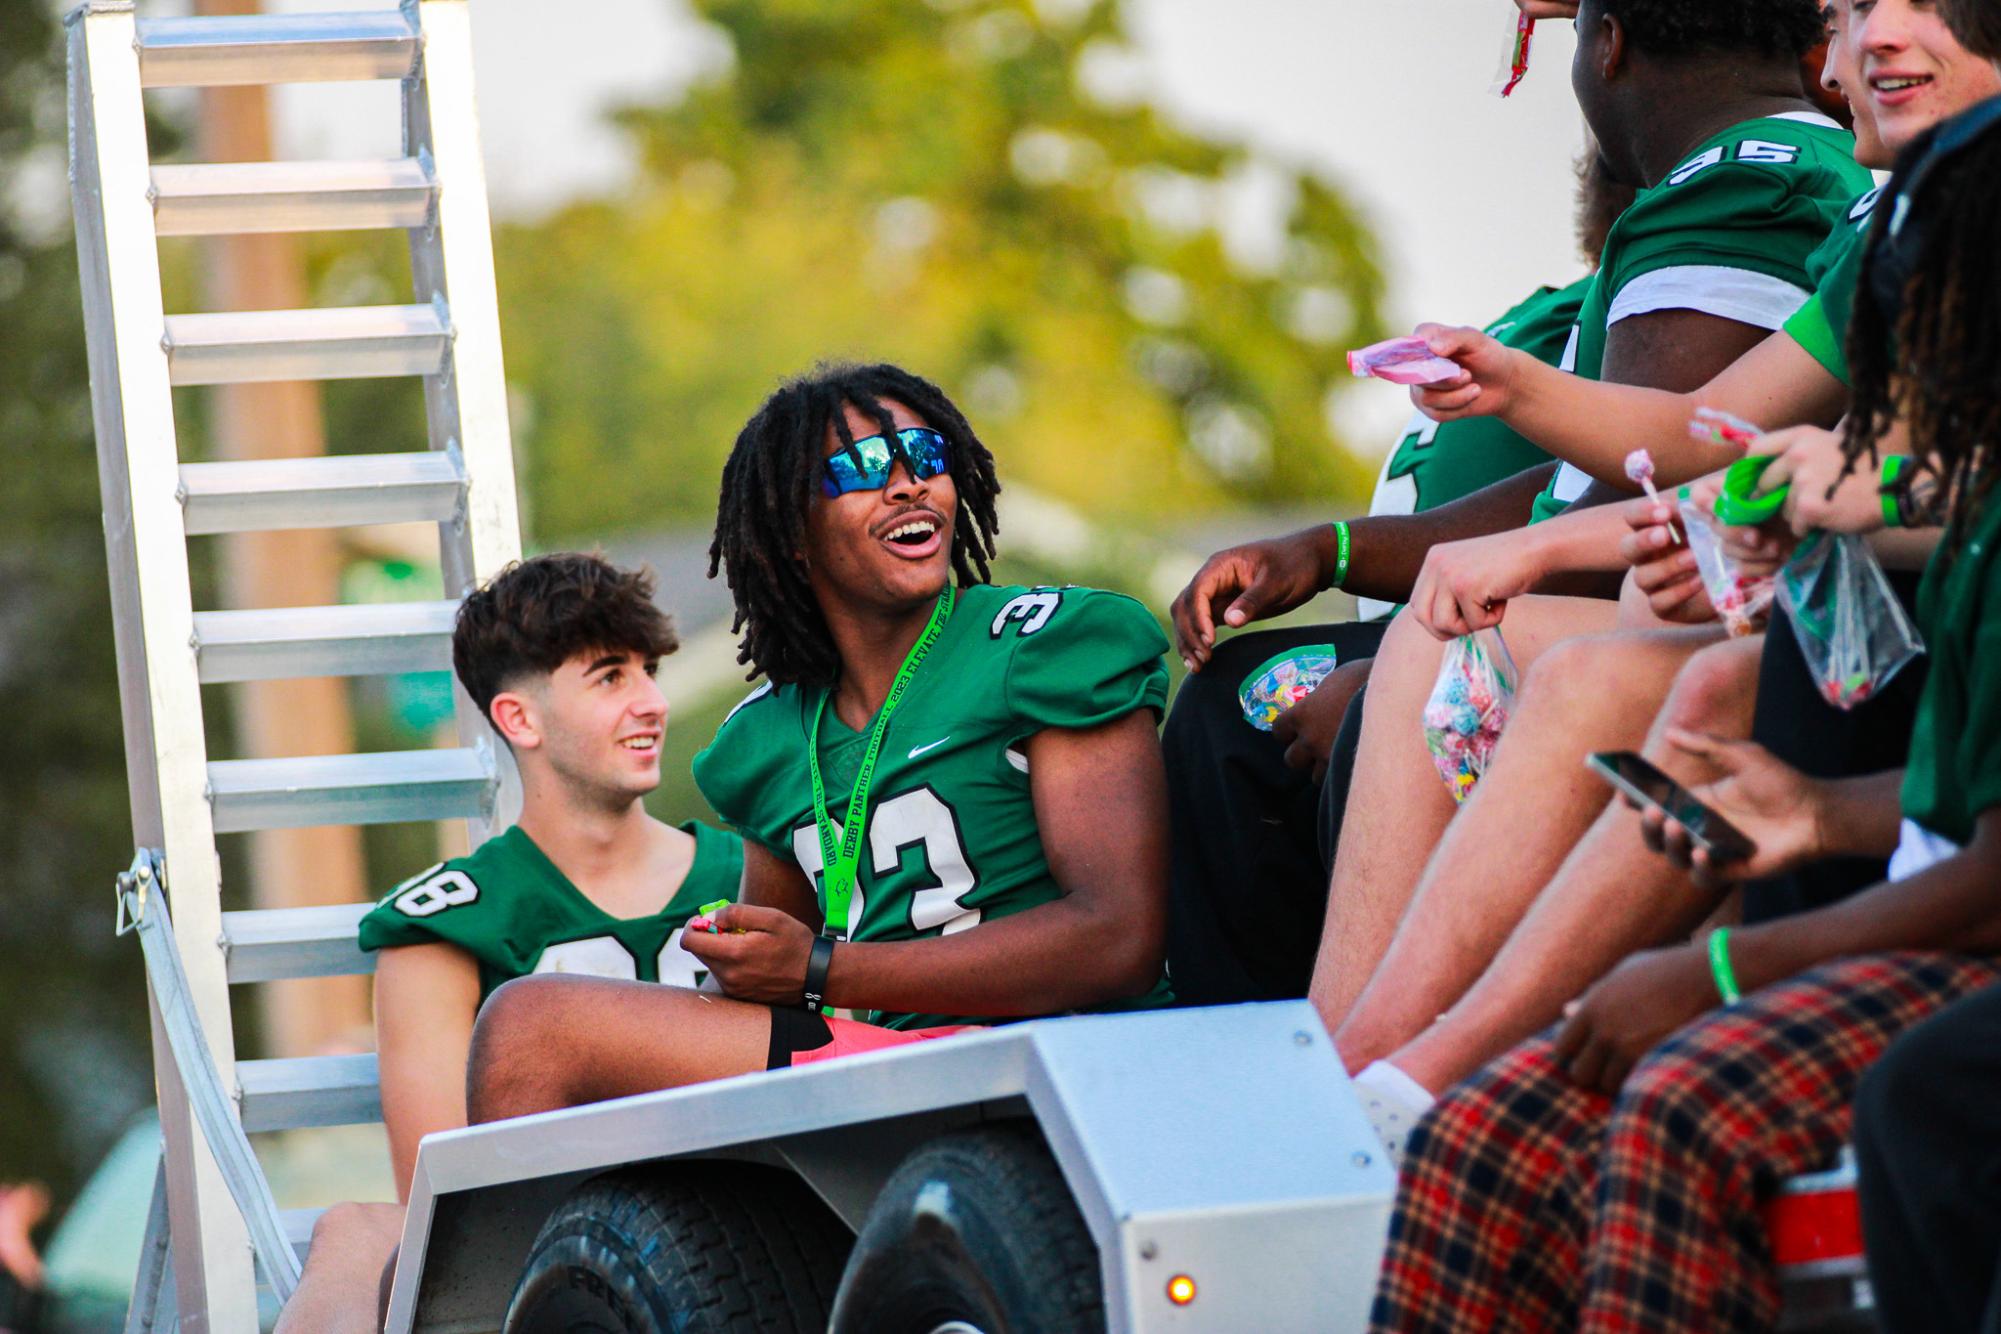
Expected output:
(1469, 195)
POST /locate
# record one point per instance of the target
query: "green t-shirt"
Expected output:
(1728, 233)
(510, 908)
(1954, 771)
(952, 839)
(1821, 325)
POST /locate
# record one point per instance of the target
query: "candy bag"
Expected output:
(1468, 708)
(1401, 361)
(1740, 599)
(1283, 681)
(1851, 629)
(1514, 64)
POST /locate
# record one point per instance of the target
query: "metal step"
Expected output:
(276, 48)
(371, 640)
(267, 944)
(381, 788)
(222, 198)
(335, 343)
(256, 495)
(291, 1093)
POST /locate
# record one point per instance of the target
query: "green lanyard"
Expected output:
(841, 862)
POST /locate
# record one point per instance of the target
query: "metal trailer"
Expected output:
(1224, 1175)
(1219, 1147)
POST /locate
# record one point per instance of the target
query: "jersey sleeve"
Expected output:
(1728, 238)
(1081, 658)
(736, 772)
(444, 903)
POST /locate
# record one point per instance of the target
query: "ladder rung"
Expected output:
(372, 640)
(290, 1093)
(266, 944)
(255, 495)
(220, 198)
(275, 48)
(381, 788)
(335, 343)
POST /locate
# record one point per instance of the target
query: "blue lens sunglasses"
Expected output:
(865, 465)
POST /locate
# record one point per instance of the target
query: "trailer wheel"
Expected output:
(698, 1247)
(976, 1233)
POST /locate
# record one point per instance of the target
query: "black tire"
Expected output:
(698, 1247)
(976, 1228)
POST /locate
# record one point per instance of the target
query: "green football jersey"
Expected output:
(951, 838)
(1728, 233)
(1436, 463)
(510, 908)
(1821, 325)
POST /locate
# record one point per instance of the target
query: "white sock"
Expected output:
(1393, 1102)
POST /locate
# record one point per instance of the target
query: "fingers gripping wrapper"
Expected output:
(1283, 681)
(1401, 361)
(1852, 631)
(1468, 708)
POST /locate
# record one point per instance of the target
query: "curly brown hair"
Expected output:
(537, 614)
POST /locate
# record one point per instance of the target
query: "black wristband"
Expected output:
(814, 994)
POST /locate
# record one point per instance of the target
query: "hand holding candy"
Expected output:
(704, 918)
(1283, 682)
(1402, 361)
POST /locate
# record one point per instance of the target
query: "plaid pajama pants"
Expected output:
(1527, 1203)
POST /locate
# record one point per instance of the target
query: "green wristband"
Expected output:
(1719, 965)
(1340, 552)
(1893, 468)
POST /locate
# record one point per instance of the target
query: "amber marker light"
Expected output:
(1181, 1289)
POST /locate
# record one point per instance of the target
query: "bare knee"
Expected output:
(351, 1226)
(518, 1062)
(1713, 692)
(337, 1293)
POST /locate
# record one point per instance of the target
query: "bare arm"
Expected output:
(1770, 380)
(426, 997)
(1100, 799)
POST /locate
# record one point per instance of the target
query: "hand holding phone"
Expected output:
(1758, 817)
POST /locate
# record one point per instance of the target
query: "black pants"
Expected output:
(1804, 730)
(1928, 1142)
(1251, 846)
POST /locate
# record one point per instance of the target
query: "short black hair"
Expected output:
(537, 614)
(769, 482)
(1669, 28)
(1976, 23)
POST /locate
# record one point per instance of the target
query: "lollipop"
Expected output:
(1640, 468)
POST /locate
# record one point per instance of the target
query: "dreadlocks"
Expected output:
(1935, 362)
(770, 480)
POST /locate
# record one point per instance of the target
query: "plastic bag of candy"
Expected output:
(1514, 66)
(1283, 681)
(1405, 360)
(1741, 599)
(1468, 708)
(1851, 629)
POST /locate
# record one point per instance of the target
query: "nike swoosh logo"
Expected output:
(915, 751)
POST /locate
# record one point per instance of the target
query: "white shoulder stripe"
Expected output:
(1733, 294)
(1826, 122)
(762, 690)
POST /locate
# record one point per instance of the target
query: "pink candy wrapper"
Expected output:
(1720, 428)
(1514, 58)
(1468, 708)
(1402, 361)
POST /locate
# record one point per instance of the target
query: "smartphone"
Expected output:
(1635, 776)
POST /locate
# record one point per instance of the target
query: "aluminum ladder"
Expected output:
(449, 334)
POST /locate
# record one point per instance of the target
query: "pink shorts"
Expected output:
(801, 1038)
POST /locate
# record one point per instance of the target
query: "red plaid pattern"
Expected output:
(1528, 1204)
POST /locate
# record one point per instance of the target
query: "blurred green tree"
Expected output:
(965, 187)
(73, 1062)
